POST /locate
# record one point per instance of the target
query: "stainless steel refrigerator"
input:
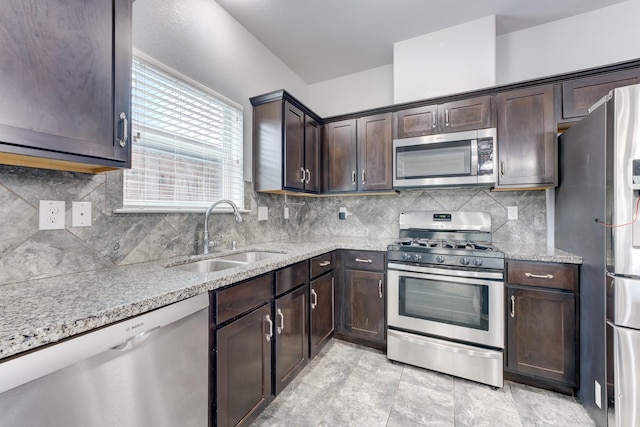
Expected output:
(596, 217)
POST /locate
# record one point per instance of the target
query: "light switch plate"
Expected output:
(286, 213)
(81, 214)
(51, 215)
(512, 212)
(263, 213)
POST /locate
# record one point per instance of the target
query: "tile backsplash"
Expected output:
(119, 239)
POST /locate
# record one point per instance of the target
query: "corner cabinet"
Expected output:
(65, 80)
(286, 145)
(527, 138)
(362, 296)
(542, 324)
(359, 154)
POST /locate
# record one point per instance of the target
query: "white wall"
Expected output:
(601, 37)
(456, 59)
(201, 40)
(355, 92)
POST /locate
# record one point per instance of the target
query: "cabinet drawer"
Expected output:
(365, 260)
(543, 274)
(238, 299)
(321, 264)
(292, 277)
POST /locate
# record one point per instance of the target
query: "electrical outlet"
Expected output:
(263, 213)
(81, 214)
(512, 212)
(51, 215)
(286, 213)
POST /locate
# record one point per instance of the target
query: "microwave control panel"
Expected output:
(635, 174)
(485, 156)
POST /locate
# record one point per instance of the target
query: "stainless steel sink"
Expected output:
(224, 262)
(248, 257)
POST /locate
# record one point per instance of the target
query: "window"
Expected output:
(186, 145)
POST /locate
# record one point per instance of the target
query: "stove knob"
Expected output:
(464, 261)
(477, 262)
(406, 256)
(439, 259)
(417, 257)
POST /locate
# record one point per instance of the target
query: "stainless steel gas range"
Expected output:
(445, 301)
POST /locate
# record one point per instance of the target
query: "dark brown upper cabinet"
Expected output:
(527, 138)
(454, 116)
(358, 153)
(286, 145)
(65, 80)
(580, 94)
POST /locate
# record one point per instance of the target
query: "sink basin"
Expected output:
(248, 257)
(210, 265)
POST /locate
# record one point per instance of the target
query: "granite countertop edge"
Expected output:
(43, 311)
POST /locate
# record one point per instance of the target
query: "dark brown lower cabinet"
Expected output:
(364, 307)
(291, 337)
(542, 324)
(243, 368)
(322, 318)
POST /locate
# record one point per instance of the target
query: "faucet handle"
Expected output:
(213, 243)
(234, 245)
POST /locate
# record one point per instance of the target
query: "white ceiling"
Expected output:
(324, 39)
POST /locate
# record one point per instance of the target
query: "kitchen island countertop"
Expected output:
(46, 310)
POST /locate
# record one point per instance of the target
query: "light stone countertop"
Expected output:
(44, 311)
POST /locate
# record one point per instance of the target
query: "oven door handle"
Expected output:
(445, 275)
(454, 274)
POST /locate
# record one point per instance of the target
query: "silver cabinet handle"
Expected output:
(380, 288)
(433, 121)
(281, 327)
(539, 276)
(446, 117)
(363, 176)
(125, 130)
(366, 261)
(302, 178)
(502, 167)
(513, 306)
(325, 263)
(314, 299)
(308, 176)
(269, 334)
(353, 177)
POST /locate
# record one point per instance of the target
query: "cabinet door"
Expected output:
(312, 155)
(580, 94)
(322, 312)
(342, 156)
(417, 121)
(541, 334)
(292, 336)
(364, 310)
(466, 114)
(527, 138)
(243, 368)
(65, 78)
(294, 171)
(375, 141)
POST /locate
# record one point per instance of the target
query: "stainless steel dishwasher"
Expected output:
(150, 370)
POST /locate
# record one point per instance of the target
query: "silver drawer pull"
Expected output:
(513, 306)
(366, 261)
(539, 276)
(325, 263)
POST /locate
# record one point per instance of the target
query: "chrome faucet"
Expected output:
(236, 212)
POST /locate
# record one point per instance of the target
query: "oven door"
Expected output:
(444, 303)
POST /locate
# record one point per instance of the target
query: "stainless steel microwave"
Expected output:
(453, 159)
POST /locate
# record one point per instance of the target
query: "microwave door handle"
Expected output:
(474, 157)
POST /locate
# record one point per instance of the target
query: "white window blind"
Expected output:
(186, 145)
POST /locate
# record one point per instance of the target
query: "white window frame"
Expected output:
(229, 143)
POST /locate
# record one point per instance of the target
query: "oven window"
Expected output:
(446, 302)
(434, 160)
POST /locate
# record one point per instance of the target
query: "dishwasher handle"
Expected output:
(136, 340)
